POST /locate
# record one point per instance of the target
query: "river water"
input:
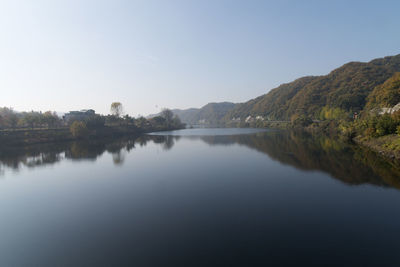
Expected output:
(199, 197)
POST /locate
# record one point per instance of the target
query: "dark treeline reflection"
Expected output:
(45, 154)
(348, 163)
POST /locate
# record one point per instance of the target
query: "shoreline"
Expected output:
(387, 146)
(22, 137)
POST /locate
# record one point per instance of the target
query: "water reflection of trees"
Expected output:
(46, 154)
(167, 141)
(348, 163)
(30, 156)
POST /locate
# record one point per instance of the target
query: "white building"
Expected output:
(249, 119)
(390, 110)
(260, 118)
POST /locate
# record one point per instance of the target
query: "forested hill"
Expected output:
(347, 88)
(385, 95)
(210, 114)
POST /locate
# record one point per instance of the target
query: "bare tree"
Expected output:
(168, 116)
(116, 109)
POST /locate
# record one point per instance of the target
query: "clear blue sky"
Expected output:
(76, 54)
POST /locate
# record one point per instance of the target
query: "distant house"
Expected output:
(390, 110)
(236, 119)
(260, 118)
(249, 119)
(78, 115)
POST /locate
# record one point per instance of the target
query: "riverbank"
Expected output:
(22, 137)
(387, 146)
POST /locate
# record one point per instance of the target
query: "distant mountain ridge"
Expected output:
(346, 87)
(350, 88)
(210, 114)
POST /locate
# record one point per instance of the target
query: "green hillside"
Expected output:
(347, 88)
(186, 115)
(210, 114)
(385, 95)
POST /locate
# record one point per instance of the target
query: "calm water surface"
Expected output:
(199, 197)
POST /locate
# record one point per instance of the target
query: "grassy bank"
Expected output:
(376, 133)
(388, 145)
(36, 136)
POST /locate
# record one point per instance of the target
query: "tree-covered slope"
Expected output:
(210, 114)
(186, 115)
(274, 104)
(385, 95)
(346, 88)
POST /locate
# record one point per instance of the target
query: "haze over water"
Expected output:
(210, 197)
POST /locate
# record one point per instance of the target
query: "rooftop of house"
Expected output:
(81, 112)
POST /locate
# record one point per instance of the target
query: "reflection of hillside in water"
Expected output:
(349, 163)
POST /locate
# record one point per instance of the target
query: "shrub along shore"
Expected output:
(22, 128)
(379, 132)
(34, 136)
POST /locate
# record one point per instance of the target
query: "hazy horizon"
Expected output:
(71, 55)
